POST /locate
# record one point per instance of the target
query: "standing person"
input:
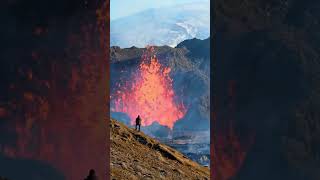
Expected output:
(138, 122)
(92, 175)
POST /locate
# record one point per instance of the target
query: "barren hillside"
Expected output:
(134, 155)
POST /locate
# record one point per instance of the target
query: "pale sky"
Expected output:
(122, 8)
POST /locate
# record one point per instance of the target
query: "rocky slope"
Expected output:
(137, 156)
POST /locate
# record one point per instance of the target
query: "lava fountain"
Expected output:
(150, 94)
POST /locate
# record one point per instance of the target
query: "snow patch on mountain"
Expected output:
(162, 26)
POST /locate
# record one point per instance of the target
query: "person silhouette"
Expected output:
(138, 122)
(92, 175)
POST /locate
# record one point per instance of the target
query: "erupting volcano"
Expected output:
(150, 94)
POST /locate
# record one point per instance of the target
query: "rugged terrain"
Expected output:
(134, 155)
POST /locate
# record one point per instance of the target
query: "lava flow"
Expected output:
(150, 94)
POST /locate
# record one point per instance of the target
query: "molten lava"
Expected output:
(150, 94)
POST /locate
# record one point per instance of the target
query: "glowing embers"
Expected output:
(149, 94)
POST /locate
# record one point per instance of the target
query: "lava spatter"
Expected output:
(149, 94)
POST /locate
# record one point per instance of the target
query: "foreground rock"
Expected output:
(134, 155)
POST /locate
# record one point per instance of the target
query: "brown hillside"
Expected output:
(134, 155)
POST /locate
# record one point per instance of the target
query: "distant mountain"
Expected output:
(162, 26)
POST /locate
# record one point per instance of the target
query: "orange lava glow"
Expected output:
(150, 94)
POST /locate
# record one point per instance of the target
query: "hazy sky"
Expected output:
(122, 8)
